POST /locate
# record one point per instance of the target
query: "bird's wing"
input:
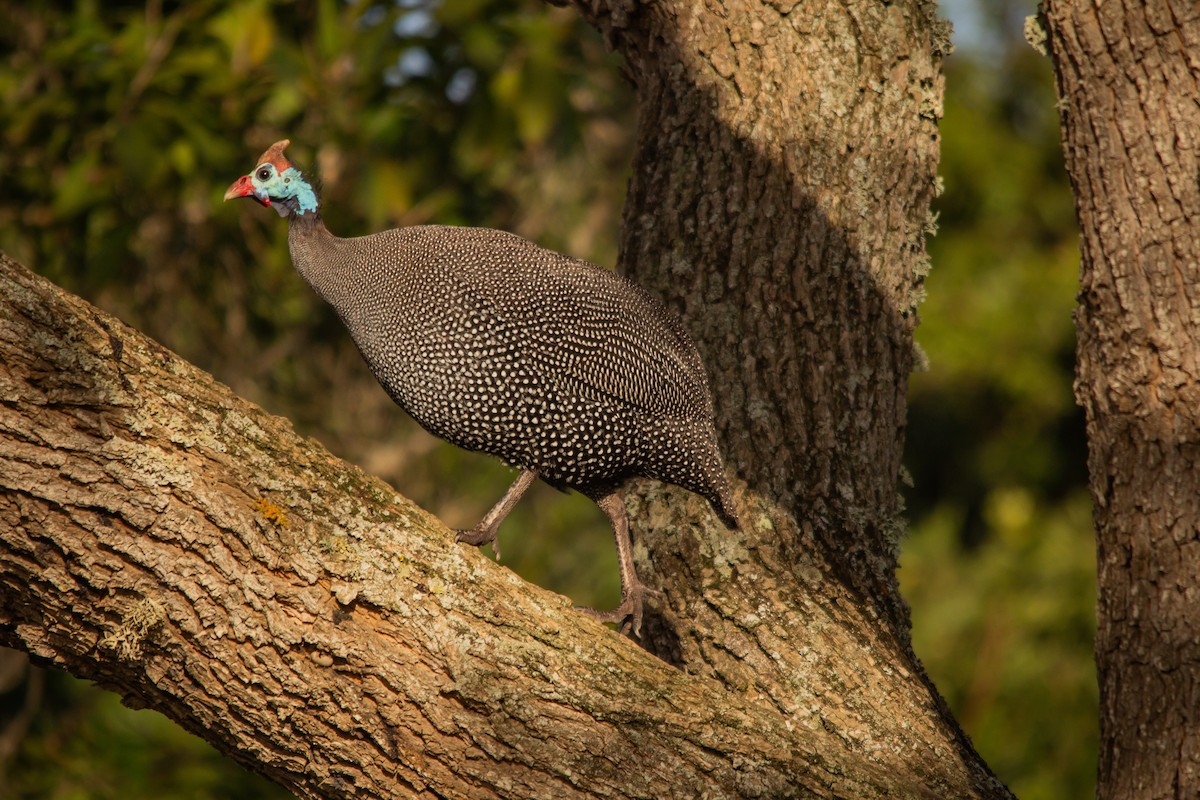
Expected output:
(586, 329)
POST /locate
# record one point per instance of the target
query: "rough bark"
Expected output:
(786, 160)
(1129, 92)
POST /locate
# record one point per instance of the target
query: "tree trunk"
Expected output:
(786, 160)
(189, 551)
(1129, 90)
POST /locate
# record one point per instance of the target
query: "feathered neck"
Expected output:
(301, 222)
(320, 258)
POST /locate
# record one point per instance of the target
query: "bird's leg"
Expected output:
(486, 530)
(628, 615)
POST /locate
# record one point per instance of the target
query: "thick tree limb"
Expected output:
(190, 551)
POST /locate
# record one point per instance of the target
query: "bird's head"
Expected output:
(276, 183)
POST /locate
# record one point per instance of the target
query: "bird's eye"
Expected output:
(264, 173)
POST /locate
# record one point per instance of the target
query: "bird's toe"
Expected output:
(628, 615)
(479, 537)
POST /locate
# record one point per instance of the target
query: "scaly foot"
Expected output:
(628, 615)
(480, 536)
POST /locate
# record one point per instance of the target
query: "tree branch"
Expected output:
(190, 551)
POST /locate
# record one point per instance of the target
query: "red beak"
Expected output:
(242, 187)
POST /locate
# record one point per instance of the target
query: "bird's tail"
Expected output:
(722, 503)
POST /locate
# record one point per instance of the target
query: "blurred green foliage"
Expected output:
(999, 566)
(124, 122)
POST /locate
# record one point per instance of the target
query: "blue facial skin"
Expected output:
(287, 188)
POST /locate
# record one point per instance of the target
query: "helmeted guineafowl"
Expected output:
(561, 368)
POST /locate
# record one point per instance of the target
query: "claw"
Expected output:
(485, 531)
(479, 537)
(628, 615)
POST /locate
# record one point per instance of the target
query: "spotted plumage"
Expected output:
(556, 366)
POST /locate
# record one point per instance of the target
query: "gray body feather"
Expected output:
(550, 363)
